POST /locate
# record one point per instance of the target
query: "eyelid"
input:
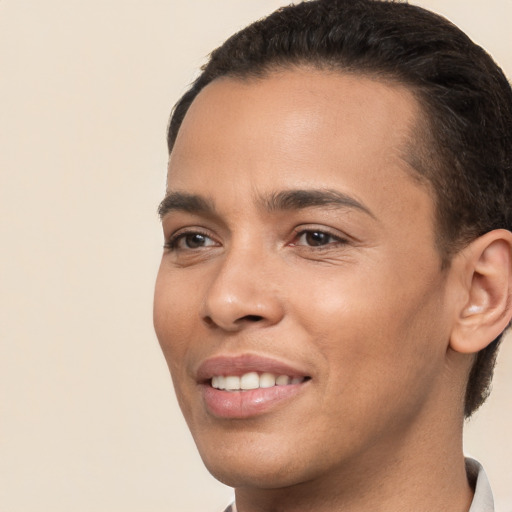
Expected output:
(303, 229)
(176, 236)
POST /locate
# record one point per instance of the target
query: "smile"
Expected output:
(249, 385)
(253, 380)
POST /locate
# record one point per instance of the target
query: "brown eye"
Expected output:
(190, 241)
(194, 240)
(316, 238)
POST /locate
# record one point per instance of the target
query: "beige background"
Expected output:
(88, 421)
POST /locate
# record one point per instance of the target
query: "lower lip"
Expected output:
(244, 404)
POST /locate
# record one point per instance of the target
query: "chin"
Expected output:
(261, 466)
(254, 474)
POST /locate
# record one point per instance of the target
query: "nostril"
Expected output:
(247, 318)
(208, 321)
(251, 318)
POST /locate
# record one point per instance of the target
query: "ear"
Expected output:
(486, 310)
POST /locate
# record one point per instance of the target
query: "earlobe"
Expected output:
(487, 309)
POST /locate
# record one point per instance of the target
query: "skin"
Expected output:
(368, 315)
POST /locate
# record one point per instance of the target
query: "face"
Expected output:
(297, 293)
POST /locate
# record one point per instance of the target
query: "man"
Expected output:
(337, 266)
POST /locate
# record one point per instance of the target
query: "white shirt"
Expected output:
(482, 500)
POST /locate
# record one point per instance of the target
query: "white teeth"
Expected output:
(267, 380)
(232, 382)
(253, 380)
(219, 382)
(250, 381)
(283, 380)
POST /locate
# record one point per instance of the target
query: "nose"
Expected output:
(242, 293)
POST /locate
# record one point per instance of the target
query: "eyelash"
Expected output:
(335, 239)
(172, 243)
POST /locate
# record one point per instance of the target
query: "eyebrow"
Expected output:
(286, 200)
(181, 201)
(301, 199)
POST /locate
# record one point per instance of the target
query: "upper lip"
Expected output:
(245, 363)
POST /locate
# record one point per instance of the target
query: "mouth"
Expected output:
(253, 380)
(248, 385)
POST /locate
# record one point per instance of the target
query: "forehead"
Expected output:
(298, 110)
(297, 129)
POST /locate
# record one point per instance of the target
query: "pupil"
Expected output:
(195, 241)
(317, 238)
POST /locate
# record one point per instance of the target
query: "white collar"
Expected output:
(482, 500)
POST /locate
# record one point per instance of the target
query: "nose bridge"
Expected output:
(243, 289)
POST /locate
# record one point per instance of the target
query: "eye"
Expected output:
(316, 238)
(189, 241)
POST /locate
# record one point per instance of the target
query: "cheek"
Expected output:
(170, 320)
(376, 330)
(171, 312)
